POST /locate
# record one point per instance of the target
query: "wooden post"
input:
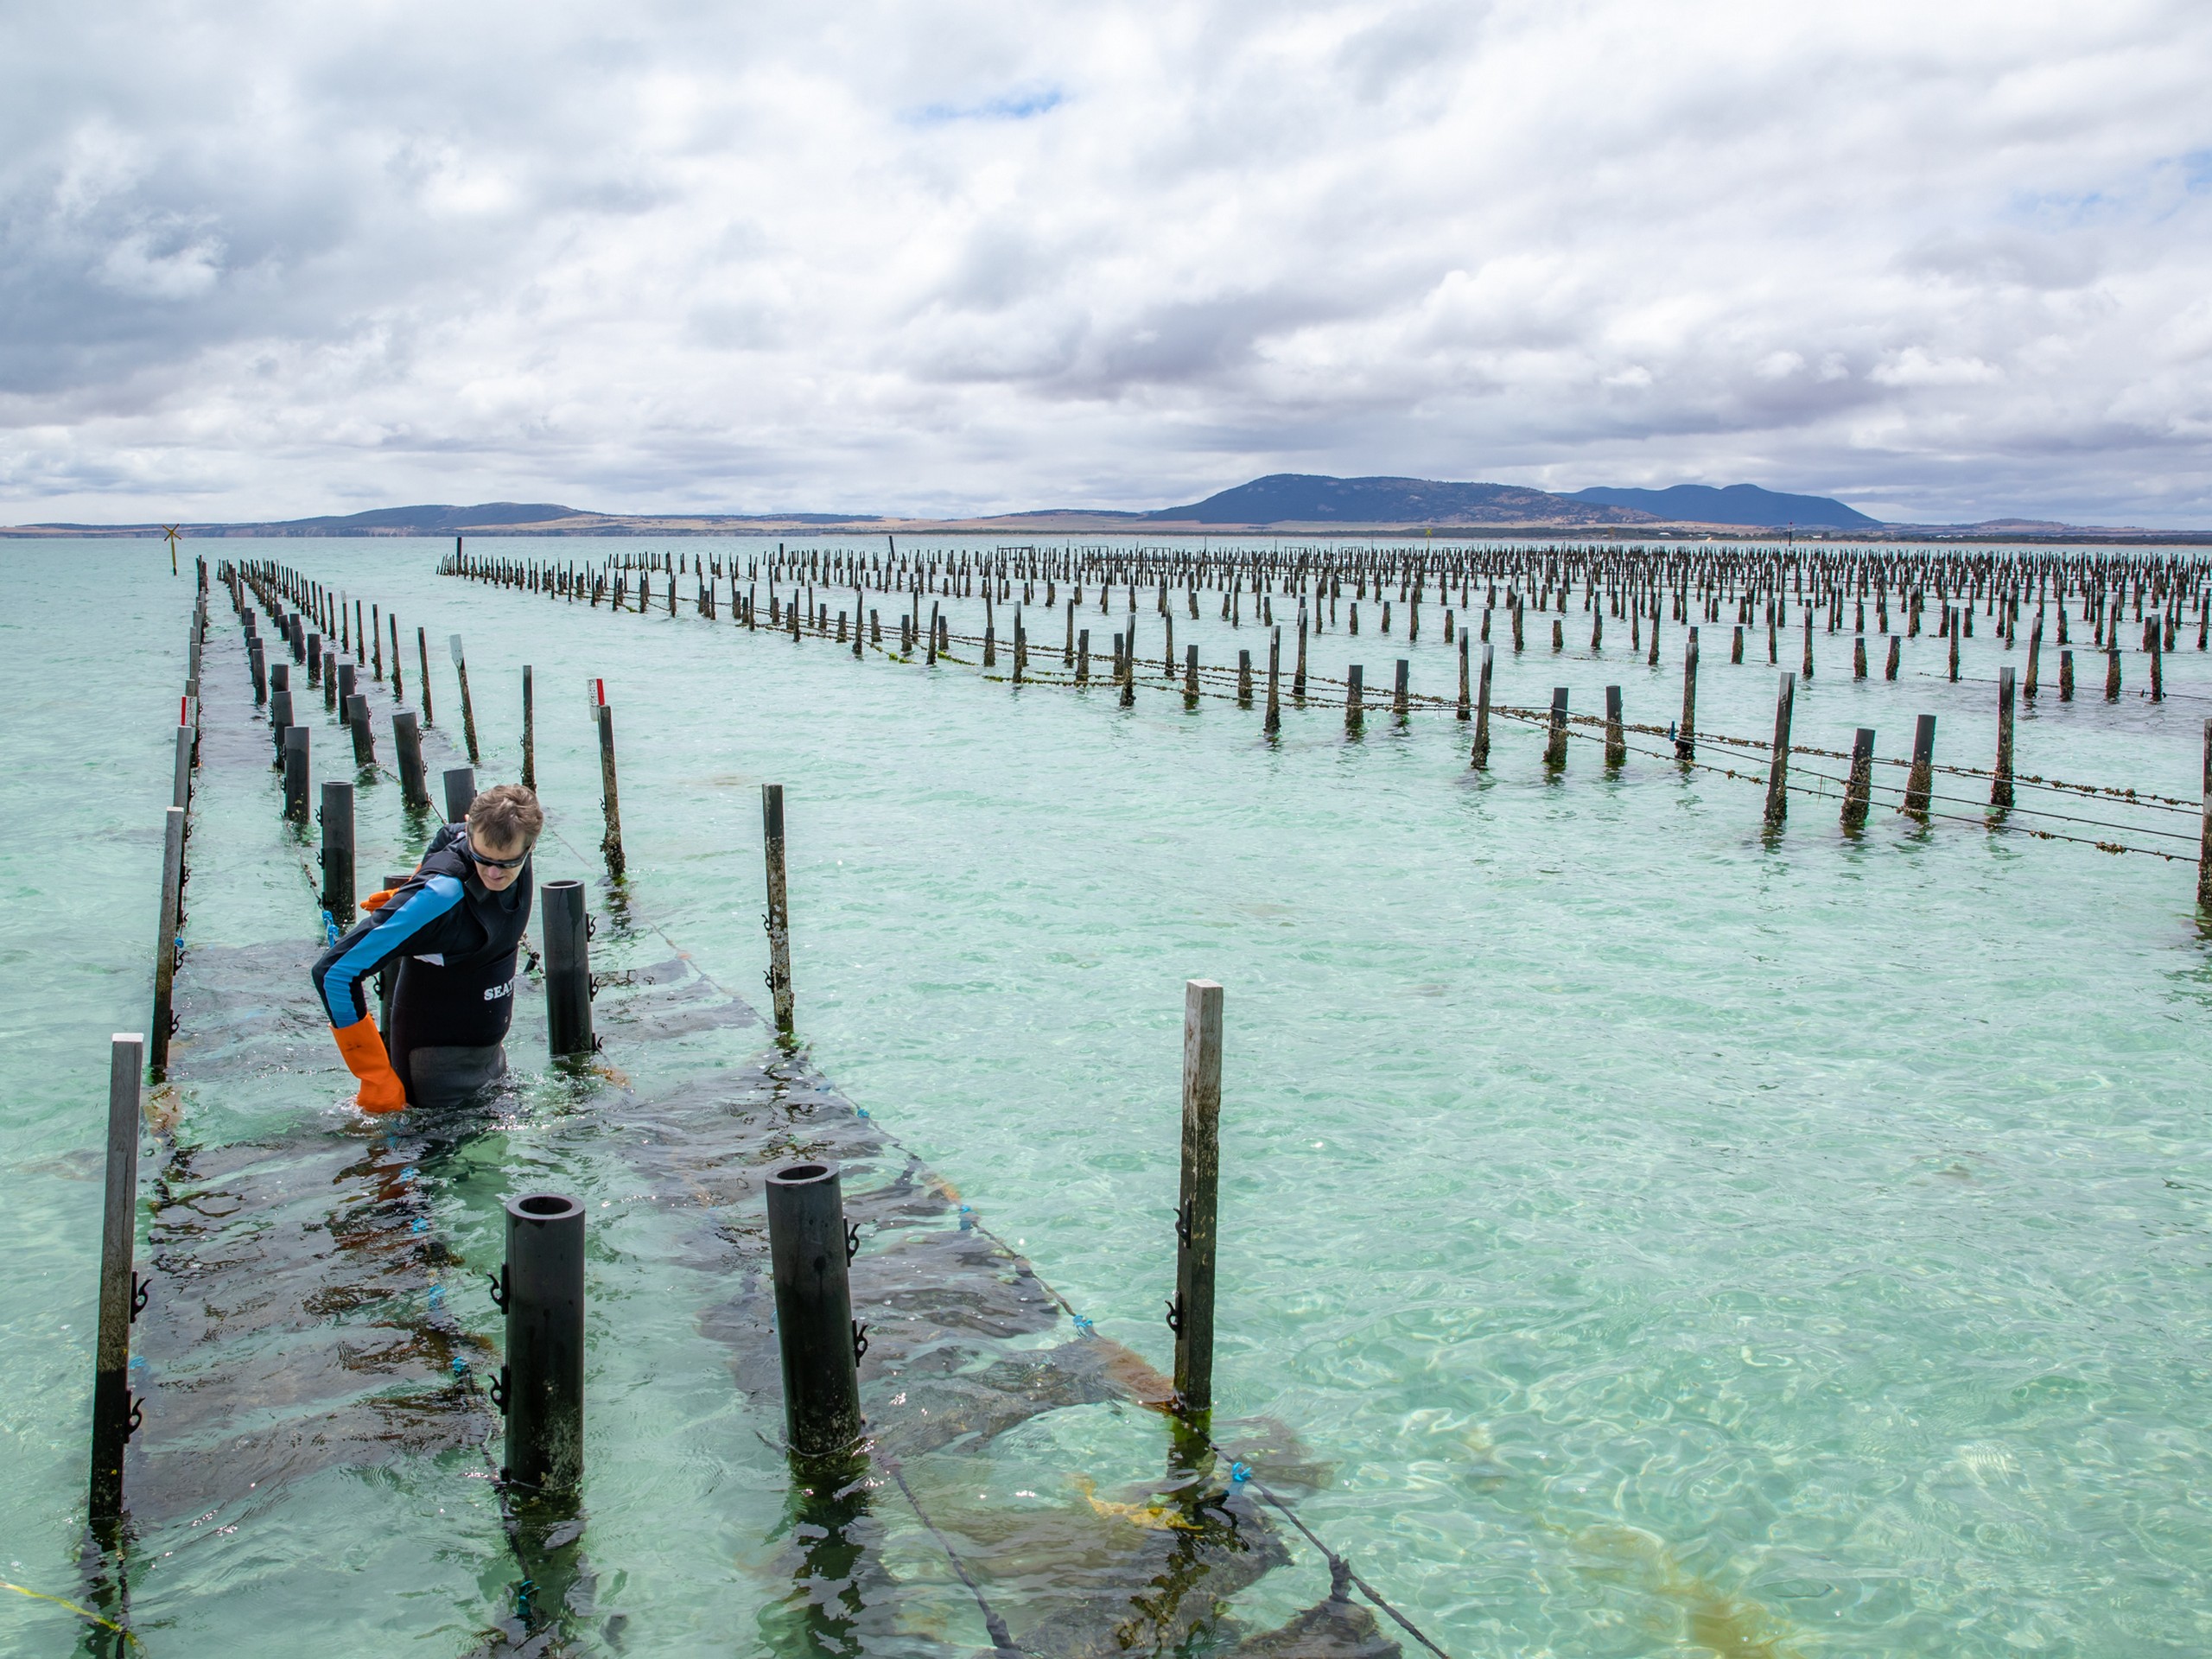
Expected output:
(122, 1296)
(398, 679)
(2035, 655)
(1920, 781)
(529, 733)
(2204, 830)
(1686, 734)
(1274, 723)
(1615, 740)
(1466, 711)
(779, 919)
(1190, 1316)
(1859, 790)
(1777, 771)
(2112, 664)
(2000, 788)
(1243, 678)
(166, 946)
(467, 708)
(1556, 748)
(1354, 678)
(1189, 677)
(1478, 758)
(422, 661)
(2066, 677)
(1807, 666)
(1298, 675)
(610, 841)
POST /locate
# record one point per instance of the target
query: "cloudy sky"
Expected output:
(1947, 260)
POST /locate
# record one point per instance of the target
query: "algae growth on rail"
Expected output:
(1660, 1239)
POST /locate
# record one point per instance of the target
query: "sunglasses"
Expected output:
(521, 858)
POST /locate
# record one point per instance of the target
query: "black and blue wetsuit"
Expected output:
(456, 943)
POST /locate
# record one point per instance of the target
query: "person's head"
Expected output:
(503, 825)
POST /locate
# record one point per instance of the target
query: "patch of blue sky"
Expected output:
(1008, 106)
(2150, 192)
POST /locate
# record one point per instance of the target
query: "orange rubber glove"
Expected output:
(378, 900)
(363, 1050)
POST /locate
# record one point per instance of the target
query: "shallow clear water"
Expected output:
(1672, 1240)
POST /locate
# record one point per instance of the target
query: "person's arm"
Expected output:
(408, 925)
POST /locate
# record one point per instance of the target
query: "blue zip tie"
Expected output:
(862, 1110)
(1082, 1324)
(1240, 1472)
(329, 929)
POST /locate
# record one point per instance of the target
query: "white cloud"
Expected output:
(952, 256)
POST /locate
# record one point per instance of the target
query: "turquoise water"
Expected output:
(1672, 1240)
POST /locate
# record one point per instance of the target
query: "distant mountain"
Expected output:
(1736, 504)
(1309, 498)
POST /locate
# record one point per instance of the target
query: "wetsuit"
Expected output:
(456, 943)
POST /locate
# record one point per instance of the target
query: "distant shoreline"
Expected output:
(610, 527)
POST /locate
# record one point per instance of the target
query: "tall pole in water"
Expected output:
(1190, 1316)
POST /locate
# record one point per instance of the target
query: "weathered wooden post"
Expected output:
(1616, 739)
(610, 840)
(2112, 664)
(1777, 771)
(114, 1416)
(1686, 734)
(2204, 826)
(1401, 689)
(1920, 781)
(541, 1288)
(467, 707)
(1479, 757)
(1354, 678)
(809, 1249)
(1859, 788)
(1465, 710)
(529, 733)
(2000, 788)
(1555, 745)
(1897, 651)
(2066, 677)
(1274, 723)
(1243, 677)
(1190, 1316)
(1189, 677)
(779, 919)
(165, 947)
(422, 661)
(2035, 655)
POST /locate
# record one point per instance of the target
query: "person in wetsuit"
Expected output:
(454, 926)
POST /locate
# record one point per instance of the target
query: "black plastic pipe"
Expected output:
(295, 773)
(541, 1385)
(338, 851)
(407, 741)
(460, 789)
(808, 1249)
(567, 968)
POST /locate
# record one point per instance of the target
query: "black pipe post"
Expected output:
(346, 674)
(357, 721)
(809, 1247)
(114, 1416)
(567, 968)
(460, 789)
(407, 741)
(280, 719)
(337, 817)
(296, 774)
(541, 1385)
(259, 663)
